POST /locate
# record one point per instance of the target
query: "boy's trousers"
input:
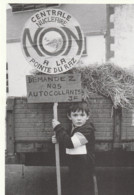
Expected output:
(80, 175)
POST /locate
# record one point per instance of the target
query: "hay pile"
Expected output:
(110, 81)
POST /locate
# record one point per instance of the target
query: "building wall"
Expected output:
(123, 32)
(18, 68)
(91, 17)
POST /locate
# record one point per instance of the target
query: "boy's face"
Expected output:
(78, 118)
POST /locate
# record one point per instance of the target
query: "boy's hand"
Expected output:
(55, 123)
(54, 140)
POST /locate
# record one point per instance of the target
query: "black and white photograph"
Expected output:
(69, 112)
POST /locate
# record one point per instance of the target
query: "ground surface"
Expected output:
(24, 180)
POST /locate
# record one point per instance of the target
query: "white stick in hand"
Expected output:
(57, 155)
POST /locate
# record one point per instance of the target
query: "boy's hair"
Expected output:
(78, 106)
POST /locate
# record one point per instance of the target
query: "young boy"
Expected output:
(79, 142)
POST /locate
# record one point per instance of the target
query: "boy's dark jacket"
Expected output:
(87, 130)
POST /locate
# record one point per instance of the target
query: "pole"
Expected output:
(95, 185)
(57, 154)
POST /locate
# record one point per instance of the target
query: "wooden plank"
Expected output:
(45, 111)
(103, 147)
(101, 110)
(10, 133)
(32, 147)
(128, 146)
(127, 113)
(31, 125)
(25, 147)
(26, 105)
(93, 110)
(33, 138)
(30, 120)
(33, 130)
(31, 111)
(127, 136)
(47, 133)
(10, 104)
(104, 129)
(33, 134)
(43, 108)
(127, 125)
(127, 120)
(105, 139)
(47, 125)
(43, 135)
(101, 120)
(129, 128)
(99, 106)
(102, 138)
(27, 129)
(35, 115)
(103, 135)
(97, 125)
(117, 127)
(93, 114)
(43, 119)
(101, 115)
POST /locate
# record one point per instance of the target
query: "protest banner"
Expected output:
(58, 88)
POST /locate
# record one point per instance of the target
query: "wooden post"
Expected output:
(117, 128)
(57, 155)
(10, 127)
(95, 185)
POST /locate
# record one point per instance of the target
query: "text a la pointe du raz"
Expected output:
(61, 65)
